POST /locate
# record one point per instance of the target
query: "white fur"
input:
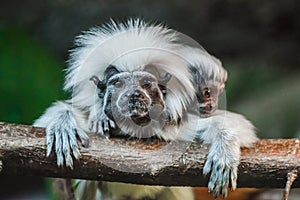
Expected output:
(52, 111)
(231, 125)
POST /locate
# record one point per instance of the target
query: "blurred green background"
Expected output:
(257, 41)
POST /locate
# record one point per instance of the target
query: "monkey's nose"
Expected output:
(137, 95)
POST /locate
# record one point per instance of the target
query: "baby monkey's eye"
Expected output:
(118, 84)
(206, 93)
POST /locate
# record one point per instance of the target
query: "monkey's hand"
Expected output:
(222, 162)
(101, 124)
(62, 129)
(98, 121)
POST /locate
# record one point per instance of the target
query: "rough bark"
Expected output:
(152, 162)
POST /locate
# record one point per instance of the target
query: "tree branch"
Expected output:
(23, 149)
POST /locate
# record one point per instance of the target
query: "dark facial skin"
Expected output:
(138, 95)
(207, 93)
(134, 94)
(208, 99)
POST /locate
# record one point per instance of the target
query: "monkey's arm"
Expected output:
(226, 132)
(62, 128)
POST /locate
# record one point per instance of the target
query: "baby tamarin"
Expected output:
(209, 78)
(137, 79)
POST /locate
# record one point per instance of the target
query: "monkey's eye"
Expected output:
(118, 84)
(206, 93)
(147, 84)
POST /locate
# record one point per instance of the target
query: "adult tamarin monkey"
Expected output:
(142, 80)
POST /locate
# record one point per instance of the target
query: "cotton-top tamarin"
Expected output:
(141, 80)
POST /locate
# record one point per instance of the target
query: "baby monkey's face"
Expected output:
(208, 97)
(136, 95)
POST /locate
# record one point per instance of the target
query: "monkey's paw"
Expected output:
(64, 133)
(223, 174)
(102, 125)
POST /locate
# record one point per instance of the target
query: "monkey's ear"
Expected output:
(162, 83)
(100, 85)
(110, 71)
(165, 79)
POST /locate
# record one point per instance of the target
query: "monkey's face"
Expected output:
(208, 97)
(136, 95)
(208, 88)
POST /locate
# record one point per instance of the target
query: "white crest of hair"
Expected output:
(209, 66)
(129, 46)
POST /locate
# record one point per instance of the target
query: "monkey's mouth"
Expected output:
(138, 109)
(139, 112)
(206, 109)
(135, 105)
(141, 120)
